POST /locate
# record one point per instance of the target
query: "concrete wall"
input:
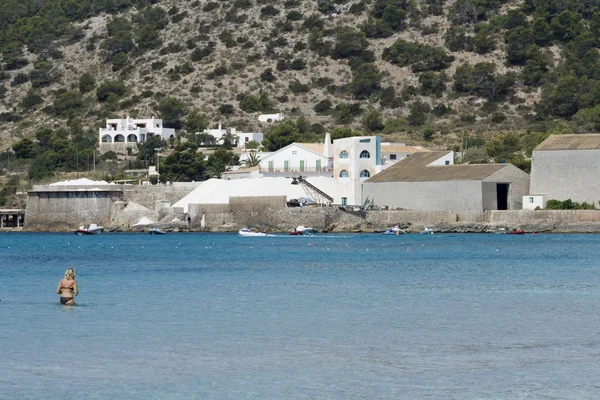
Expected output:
(241, 211)
(430, 196)
(59, 211)
(519, 184)
(148, 195)
(564, 174)
(489, 195)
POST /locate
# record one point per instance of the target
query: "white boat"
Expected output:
(304, 230)
(156, 231)
(394, 231)
(251, 232)
(91, 229)
(427, 231)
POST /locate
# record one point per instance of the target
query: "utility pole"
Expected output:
(462, 141)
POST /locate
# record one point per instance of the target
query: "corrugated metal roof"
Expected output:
(415, 169)
(586, 141)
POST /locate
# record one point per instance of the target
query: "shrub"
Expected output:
(86, 82)
(420, 57)
(569, 205)
(323, 107)
(226, 109)
(297, 87)
(116, 88)
(268, 11)
(268, 76)
(19, 79)
(297, 65)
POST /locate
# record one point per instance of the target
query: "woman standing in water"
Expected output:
(67, 288)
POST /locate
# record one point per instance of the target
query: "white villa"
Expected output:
(242, 137)
(130, 130)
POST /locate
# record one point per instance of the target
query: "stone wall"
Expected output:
(67, 210)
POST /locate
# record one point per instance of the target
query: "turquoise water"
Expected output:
(218, 316)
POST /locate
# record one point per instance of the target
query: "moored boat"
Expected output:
(427, 231)
(394, 231)
(304, 229)
(296, 232)
(156, 231)
(91, 229)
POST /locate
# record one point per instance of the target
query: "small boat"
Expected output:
(296, 232)
(91, 229)
(427, 231)
(394, 231)
(303, 229)
(516, 232)
(156, 231)
(251, 232)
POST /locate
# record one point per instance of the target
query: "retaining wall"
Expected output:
(56, 211)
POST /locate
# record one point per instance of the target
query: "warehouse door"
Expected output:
(502, 195)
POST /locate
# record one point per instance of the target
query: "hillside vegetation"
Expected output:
(490, 76)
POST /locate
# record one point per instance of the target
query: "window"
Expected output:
(364, 141)
(343, 173)
(344, 201)
(344, 154)
(294, 152)
(392, 156)
(531, 199)
(365, 174)
(365, 154)
(447, 162)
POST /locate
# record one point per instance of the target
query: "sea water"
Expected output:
(345, 316)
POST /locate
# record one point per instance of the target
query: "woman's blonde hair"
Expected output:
(70, 273)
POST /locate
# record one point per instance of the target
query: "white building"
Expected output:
(241, 138)
(391, 153)
(566, 167)
(533, 201)
(355, 159)
(269, 118)
(429, 181)
(298, 158)
(130, 130)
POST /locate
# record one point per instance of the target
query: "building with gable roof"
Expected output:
(565, 167)
(430, 181)
(299, 158)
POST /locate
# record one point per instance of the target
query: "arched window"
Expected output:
(343, 173)
(365, 154)
(344, 154)
(131, 138)
(106, 139)
(365, 174)
(119, 138)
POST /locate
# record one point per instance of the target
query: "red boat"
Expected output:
(516, 232)
(296, 233)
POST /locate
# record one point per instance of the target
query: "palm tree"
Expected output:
(229, 140)
(252, 160)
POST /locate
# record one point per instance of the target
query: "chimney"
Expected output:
(327, 151)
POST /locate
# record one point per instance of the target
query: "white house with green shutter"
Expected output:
(298, 159)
